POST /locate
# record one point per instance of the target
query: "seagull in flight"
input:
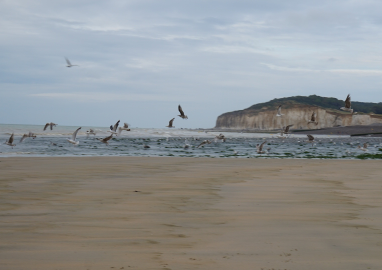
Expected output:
(113, 129)
(29, 135)
(310, 139)
(220, 137)
(69, 64)
(10, 141)
(347, 105)
(203, 143)
(259, 148)
(90, 132)
(279, 111)
(182, 115)
(364, 148)
(313, 119)
(125, 127)
(286, 129)
(49, 124)
(170, 123)
(106, 140)
(73, 139)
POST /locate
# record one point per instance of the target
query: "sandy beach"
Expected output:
(190, 213)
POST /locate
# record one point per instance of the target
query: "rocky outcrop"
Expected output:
(296, 114)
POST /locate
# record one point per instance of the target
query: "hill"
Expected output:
(297, 110)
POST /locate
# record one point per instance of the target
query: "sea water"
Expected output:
(171, 142)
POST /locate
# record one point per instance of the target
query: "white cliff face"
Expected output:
(297, 115)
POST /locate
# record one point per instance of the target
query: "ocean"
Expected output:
(171, 142)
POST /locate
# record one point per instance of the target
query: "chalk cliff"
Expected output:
(298, 114)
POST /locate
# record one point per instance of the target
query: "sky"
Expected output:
(139, 59)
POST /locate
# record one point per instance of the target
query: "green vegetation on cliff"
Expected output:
(324, 102)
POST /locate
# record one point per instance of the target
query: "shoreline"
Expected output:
(188, 213)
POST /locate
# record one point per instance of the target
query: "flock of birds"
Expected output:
(115, 130)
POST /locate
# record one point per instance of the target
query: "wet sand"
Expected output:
(189, 213)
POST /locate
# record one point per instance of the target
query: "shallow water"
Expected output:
(170, 142)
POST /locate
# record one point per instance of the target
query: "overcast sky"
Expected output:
(139, 59)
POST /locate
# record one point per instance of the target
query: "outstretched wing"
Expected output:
(107, 138)
(11, 139)
(23, 137)
(261, 146)
(180, 110)
(348, 102)
(75, 134)
(171, 121)
(313, 118)
(68, 62)
(287, 128)
(126, 125)
(116, 126)
(46, 125)
(279, 109)
(310, 137)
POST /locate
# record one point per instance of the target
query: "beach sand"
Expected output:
(190, 213)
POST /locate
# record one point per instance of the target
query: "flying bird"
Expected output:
(29, 135)
(10, 141)
(113, 129)
(74, 136)
(310, 139)
(90, 132)
(182, 115)
(49, 124)
(125, 127)
(170, 123)
(220, 137)
(286, 129)
(69, 64)
(105, 140)
(203, 143)
(313, 119)
(364, 148)
(347, 105)
(279, 111)
(259, 148)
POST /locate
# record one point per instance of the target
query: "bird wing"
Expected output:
(68, 62)
(171, 121)
(313, 118)
(116, 126)
(261, 146)
(11, 139)
(125, 125)
(23, 137)
(107, 138)
(46, 125)
(279, 109)
(365, 145)
(348, 102)
(75, 134)
(51, 126)
(310, 137)
(180, 110)
(287, 128)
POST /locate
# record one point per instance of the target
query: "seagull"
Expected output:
(220, 137)
(10, 141)
(29, 135)
(203, 143)
(347, 105)
(105, 140)
(279, 111)
(286, 129)
(90, 132)
(182, 115)
(170, 123)
(364, 148)
(259, 148)
(310, 139)
(313, 119)
(113, 129)
(73, 140)
(50, 124)
(186, 144)
(146, 146)
(69, 64)
(125, 127)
